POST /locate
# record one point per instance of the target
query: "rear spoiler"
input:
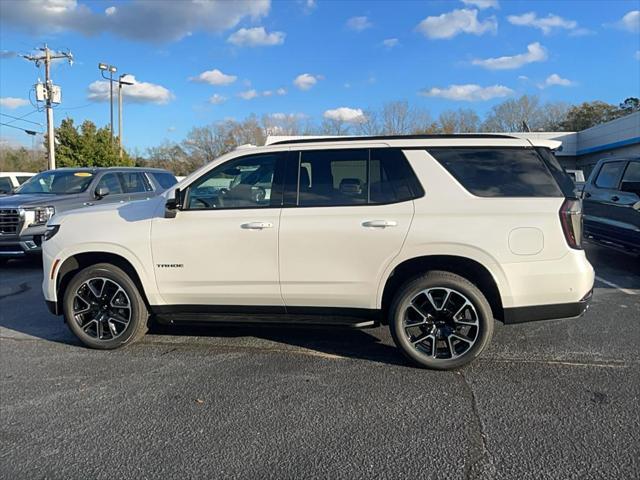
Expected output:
(544, 143)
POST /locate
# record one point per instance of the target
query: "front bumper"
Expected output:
(17, 247)
(547, 312)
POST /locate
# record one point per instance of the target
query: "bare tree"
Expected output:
(509, 115)
(552, 116)
(463, 120)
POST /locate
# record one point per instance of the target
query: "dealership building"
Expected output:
(582, 150)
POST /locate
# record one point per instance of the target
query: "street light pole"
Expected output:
(120, 116)
(111, 69)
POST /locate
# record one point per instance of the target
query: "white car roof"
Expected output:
(21, 174)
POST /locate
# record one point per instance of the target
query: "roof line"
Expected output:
(390, 137)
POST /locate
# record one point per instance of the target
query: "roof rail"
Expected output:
(389, 137)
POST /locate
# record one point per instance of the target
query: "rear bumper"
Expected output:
(547, 312)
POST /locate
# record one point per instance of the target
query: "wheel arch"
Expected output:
(466, 267)
(79, 261)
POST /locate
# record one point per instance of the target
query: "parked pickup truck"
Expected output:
(24, 214)
(611, 202)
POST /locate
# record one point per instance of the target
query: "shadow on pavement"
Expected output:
(614, 266)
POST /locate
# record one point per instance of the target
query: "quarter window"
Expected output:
(499, 172)
(243, 183)
(609, 175)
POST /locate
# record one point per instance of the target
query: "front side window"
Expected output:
(165, 180)
(609, 175)
(57, 182)
(499, 172)
(110, 180)
(243, 183)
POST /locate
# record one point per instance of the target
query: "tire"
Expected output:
(96, 304)
(444, 309)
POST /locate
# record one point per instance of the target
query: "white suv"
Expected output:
(433, 235)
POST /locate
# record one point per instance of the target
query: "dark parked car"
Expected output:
(611, 203)
(25, 212)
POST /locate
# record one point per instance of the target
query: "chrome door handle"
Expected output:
(380, 223)
(256, 225)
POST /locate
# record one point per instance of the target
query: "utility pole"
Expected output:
(50, 94)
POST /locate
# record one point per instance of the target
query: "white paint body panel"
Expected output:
(323, 256)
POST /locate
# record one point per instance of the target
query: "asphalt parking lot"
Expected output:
(556, 399)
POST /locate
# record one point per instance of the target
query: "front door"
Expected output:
(352, 212)
(222, 247)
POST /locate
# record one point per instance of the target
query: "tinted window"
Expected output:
(110, 180)
(565, 180)
(632, 174)
(135, 182)
(22, 179)
(333, 177)
(499, 172)
(609, 175)
(5, 185)
(243, 183)
(391, 177)
(165, 180)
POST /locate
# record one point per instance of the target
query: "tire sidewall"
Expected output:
(454, 282)
(138, 310)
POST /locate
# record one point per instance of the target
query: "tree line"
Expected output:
(87, 145)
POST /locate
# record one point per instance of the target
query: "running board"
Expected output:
(262, 319)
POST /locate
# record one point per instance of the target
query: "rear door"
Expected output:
(348, 213)
(601, 202)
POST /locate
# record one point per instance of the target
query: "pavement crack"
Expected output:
(481, 465)
(23, 287)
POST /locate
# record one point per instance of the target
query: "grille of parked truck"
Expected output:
(25, 212)
(434, 236)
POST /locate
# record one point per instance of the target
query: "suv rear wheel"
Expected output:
(104, 308)
(441, 320)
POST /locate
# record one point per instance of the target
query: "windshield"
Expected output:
(57, 182)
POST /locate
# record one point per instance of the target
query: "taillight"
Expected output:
(571, 220)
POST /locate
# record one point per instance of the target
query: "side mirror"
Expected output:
(102, 192)
(631, 187)
(174, 204)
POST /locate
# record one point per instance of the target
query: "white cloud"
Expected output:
(345, 114)
(214, 77)
(535, 53)
(450, 24)
(390, 43)
(546, 24)
(143, 20)
(217, 99)
(256, 37)
(469, 92)
(7, 54)
(630, 22)
(482, 4)
(249, 94)
(13, 102)
(309, 6)
(305, 81)
(139, 92)
(110, 10)
(637, 55)
(281, 91)
(555, 79)
(359, 24)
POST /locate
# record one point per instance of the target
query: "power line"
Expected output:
(28, 132)
(20, 118)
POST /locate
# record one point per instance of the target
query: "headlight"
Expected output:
(50, 232)
(41, 215)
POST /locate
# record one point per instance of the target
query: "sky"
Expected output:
(196, 62)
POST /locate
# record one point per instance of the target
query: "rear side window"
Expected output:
(22, 179)
(609, 175)
(5, 185)
(355, 177)
(632, 174)
(165, 180)
(499, 172)
(135, 182)
(565, 181)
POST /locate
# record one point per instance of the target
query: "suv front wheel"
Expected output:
(104, 308)
(441, 320)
